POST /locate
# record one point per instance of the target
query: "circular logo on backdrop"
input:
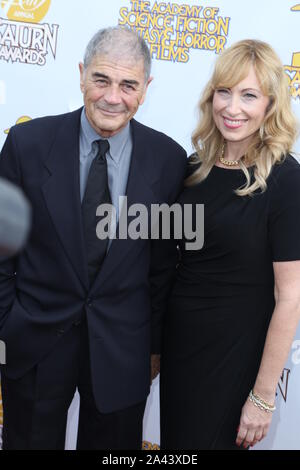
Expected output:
(32, 11)
(19, 121)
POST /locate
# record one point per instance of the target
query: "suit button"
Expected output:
(77, 322)
(60, 332)
(89, 302)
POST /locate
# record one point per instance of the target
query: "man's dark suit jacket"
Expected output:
(45, 289)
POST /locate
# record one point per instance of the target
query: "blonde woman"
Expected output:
(235, 305)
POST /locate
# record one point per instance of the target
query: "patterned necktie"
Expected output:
(96, 193)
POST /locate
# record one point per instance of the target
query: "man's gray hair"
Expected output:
(118, 42)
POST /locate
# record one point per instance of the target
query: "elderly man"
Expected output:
(77, 310)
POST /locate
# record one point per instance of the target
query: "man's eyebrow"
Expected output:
(130, 82)
(106, 77)
(99, 75)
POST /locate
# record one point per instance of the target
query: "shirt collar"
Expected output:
(116, 142)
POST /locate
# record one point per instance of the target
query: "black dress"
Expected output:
(221, 304)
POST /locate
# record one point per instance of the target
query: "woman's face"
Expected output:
(239, 111)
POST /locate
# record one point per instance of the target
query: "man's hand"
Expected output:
(155, 366)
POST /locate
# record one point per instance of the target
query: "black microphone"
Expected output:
(15, 218)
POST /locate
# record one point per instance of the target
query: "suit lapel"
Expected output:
(62, 193)
(141, 178)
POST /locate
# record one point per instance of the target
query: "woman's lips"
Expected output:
(233, 123)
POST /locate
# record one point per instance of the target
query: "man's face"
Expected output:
(112, 91)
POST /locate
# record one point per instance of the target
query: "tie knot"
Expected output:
(103, 147)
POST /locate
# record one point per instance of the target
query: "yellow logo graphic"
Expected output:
(149, 446)
(22, 37)
(32, 11)
(293, 73)
(19, 121)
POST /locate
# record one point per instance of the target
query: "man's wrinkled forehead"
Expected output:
(124, 64)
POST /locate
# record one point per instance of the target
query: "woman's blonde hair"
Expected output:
(276, 135)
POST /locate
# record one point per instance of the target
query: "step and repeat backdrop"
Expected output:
(41, 44)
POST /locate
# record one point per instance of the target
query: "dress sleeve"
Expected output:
(284, 216)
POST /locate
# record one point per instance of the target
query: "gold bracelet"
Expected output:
(259, 406)
(257, 397)
(260, 403)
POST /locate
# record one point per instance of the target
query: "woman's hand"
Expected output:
(254, 425)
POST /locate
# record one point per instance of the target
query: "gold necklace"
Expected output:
(227, 162)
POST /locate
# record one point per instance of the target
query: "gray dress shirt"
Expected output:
(118, 161)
